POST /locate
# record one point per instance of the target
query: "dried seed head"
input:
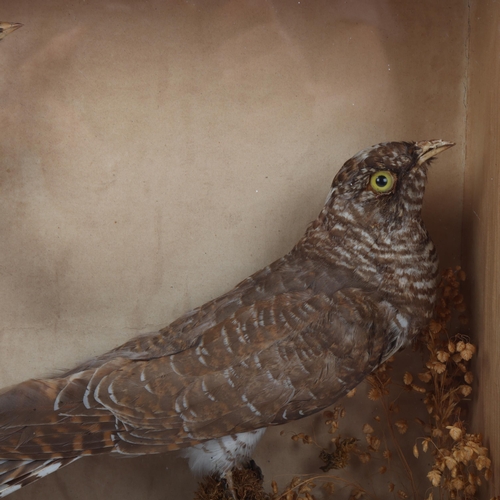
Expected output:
(482, 451)
(333, 427)
(436, 432)
(468, 453)
(443, 356)
(374, 443)
(274, 487)
(455, 432)
(351, 393)
(482, 462)
(374, 394)
(459, 455)
(436, 366)
(434, 477)
(470, 489)
(336, 412)
(356, 494)
(394, 408)
(415, 451)
(329, 487)
(417, 388)
(465, 390)
(306, 487)
(435, 327)
(425, 377)
(468, 352)
(469, 377)
(368, 429)
(402, 426)
(407, 378)
(304, 437)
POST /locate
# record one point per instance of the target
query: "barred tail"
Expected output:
(15, 474)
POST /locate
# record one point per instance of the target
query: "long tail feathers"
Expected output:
(15, 474)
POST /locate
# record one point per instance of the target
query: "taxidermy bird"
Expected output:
(283, 344)
(8, 28)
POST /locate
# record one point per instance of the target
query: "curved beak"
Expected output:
(432, 148)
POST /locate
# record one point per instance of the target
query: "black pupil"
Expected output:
(381, 181)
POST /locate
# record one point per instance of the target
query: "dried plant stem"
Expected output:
(397, 445)
(323, 478)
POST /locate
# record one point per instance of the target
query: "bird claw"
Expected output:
(230, 490)
(229, 479)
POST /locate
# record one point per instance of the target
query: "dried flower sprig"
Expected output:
(460, 459)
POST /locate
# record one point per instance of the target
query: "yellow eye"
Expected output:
(382, 182)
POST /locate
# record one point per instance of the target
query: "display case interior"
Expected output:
(153, 154)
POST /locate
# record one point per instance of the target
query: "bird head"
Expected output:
(386, 181)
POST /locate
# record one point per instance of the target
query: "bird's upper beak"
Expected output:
(7, 28)
(432, 148)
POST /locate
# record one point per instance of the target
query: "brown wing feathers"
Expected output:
(284, 343)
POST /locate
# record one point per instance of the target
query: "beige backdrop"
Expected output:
(153, 154)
